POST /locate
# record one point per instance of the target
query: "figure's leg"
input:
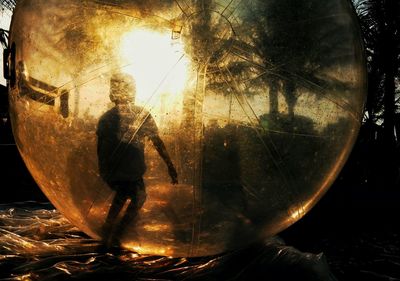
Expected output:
(129, 219)
(116, 206)
(137, 194)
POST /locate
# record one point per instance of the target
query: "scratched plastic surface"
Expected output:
(257, 104)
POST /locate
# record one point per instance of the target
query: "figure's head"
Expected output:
(122, 88)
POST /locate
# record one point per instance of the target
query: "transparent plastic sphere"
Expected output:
(185, 128)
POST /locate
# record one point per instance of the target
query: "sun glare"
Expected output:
(158, 65)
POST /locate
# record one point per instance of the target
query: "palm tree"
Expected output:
(303, 41)
(290, 45)
(381, 25)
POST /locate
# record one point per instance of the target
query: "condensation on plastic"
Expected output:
(258, 104)
(38, 243)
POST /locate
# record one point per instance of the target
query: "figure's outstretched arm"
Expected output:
(161, 149)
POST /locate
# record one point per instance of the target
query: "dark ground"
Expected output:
(355, 225)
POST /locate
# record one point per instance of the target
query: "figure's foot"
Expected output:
(103, 248)
(113, 242)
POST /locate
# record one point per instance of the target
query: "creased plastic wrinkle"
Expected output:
(38, 243)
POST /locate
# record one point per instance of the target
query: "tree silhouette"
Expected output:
(289, 45)
(381, 25)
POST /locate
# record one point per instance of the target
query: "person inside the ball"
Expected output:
(121, 135)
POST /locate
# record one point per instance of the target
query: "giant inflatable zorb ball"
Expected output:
(185, 128)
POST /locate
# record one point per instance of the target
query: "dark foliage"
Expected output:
(380, 24)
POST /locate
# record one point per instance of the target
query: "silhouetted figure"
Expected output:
(121, 134)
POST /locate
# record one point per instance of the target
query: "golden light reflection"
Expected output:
(26, 277)
(157, 227)
(153, 249)
(158, 64)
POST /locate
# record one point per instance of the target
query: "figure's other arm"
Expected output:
(161, 149)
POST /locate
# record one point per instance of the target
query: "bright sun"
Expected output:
(158, 65)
